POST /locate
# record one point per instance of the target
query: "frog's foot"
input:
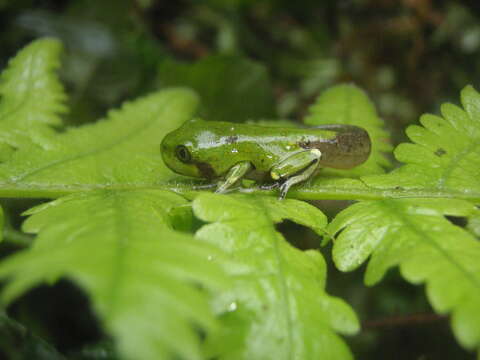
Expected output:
(234, 175)
(284, 190)
(307, 174)
(296, 168)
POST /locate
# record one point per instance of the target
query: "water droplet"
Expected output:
(232, 306)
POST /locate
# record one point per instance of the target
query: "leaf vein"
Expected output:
(455, 162)
(431, 242)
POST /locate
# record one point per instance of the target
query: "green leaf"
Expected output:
(445, 155)
(122, 151)
(415, 235)
(231, 88)
(31, 96)
(348, 104)
(147, 282)
(279, 297)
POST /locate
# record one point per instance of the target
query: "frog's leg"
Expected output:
(236, 172)
(309, 171)
(304, 164)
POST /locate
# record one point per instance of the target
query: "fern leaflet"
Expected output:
(141, 275)
(279, 297)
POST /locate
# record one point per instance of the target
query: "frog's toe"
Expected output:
(283, 190)
(269, 186)
(222, 189)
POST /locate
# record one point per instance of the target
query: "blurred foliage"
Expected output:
(409, 55)
(277, 55)
(213, 77)
(17, 343)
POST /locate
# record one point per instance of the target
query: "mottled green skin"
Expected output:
(217, 146)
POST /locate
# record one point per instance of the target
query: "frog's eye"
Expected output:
(183, 154)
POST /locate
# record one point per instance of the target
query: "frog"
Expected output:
(272, 156)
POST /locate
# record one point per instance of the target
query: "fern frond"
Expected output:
(415, 235)
(445, 154)
(122, 150)
(147, 282)
(31, 96)
(280, 300)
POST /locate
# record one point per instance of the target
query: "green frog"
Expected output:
(280, 156)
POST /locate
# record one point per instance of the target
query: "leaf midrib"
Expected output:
(281, 279)
(53, 191)
(119, 254)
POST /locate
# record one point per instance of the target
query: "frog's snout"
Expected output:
(174, 156)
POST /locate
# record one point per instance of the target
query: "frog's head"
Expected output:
(181, 153)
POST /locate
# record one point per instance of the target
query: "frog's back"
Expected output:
(342, 146)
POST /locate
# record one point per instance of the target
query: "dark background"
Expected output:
(409, 55)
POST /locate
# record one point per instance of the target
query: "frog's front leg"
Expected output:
(295, 169)
(235, 174)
